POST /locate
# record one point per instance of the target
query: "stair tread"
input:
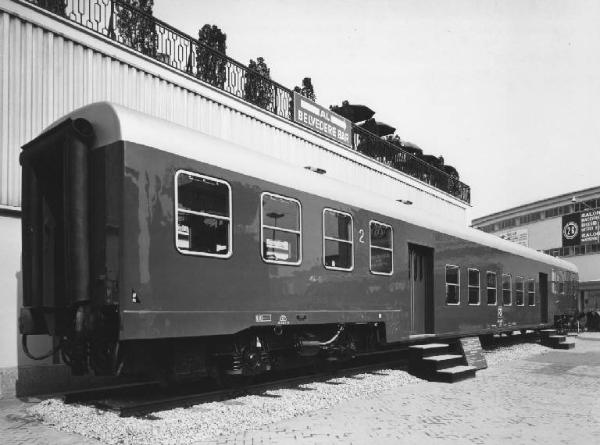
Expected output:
(457, 369)
(439, 358)
(428, 346)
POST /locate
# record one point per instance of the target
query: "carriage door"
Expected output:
(544, 297)
(420, 274)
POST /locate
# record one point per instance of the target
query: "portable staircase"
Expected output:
(552, 339)
(435, 362)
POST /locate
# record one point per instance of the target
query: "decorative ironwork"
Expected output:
(127, 25)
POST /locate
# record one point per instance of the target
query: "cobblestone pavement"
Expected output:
(551, 398)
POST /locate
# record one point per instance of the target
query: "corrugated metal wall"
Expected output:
(44, 75)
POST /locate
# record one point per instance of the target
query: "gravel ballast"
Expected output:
(209, 420)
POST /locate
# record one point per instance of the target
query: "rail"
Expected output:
(127, 25)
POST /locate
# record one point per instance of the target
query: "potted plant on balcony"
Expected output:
(136, 27)
(210, 60)
(257, 89)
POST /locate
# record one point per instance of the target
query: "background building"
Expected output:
(566, 226)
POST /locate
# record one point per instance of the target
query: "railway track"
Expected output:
(142, 399)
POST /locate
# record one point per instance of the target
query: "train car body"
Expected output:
(144, 238)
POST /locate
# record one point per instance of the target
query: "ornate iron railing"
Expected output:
(131, 27)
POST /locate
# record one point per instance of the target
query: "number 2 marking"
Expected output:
(361, 236)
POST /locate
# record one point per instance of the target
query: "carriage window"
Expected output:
(337, 240)
(381, 240)
(531, 292)
(281, 229)
(492, 288)
(519, 289)
(506, 289)
(561, 282)
(473, 286)
(554, 287)
(203, 215)
(452, 284)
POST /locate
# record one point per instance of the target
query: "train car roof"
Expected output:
(114, 123)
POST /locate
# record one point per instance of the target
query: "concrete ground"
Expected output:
(551, 398)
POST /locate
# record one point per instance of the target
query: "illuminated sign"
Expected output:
(322, 120)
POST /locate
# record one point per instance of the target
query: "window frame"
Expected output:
(210, 215)
(495, 303)
(531, 280)
(452, 284)
(263, 226)
(330, 238)
(510, 289)
(522, 291)
(469, 286)
(391, 250)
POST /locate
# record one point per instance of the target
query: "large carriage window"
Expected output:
(506, 289)
(531, 292)
(203, 215)
(492, 288)
(519, 285)
(452, 285)
(473, 286)
(337, 240)
(281, 229)
(381, 248)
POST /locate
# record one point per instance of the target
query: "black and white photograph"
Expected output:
(324, 222)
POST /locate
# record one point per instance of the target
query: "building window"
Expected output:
(473, 286)
(338, 248)
(382, 250)
(519, 289)
(203, 214)
(452, 284)
(531, 292)
(506, 289)
(281, 229)
(492, 288)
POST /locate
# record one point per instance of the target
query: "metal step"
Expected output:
(438, 362)
(547, 332)
(565, 345)
(418, 352)
(455, 374)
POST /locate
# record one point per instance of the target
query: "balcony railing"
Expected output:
(131, 27)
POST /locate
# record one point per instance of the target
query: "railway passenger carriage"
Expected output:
(148, 245)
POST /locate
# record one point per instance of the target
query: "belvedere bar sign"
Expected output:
(322, 120)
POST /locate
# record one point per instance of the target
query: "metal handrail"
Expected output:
(125, 24)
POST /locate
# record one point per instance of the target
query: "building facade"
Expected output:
(56, 56)
(565, 226)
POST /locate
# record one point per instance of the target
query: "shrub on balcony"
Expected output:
(56, 6)
(307, 89)
(212, 67)
(136, 27)
(257, 89)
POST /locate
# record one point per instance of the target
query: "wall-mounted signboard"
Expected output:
(581, 228)
(322, 120)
